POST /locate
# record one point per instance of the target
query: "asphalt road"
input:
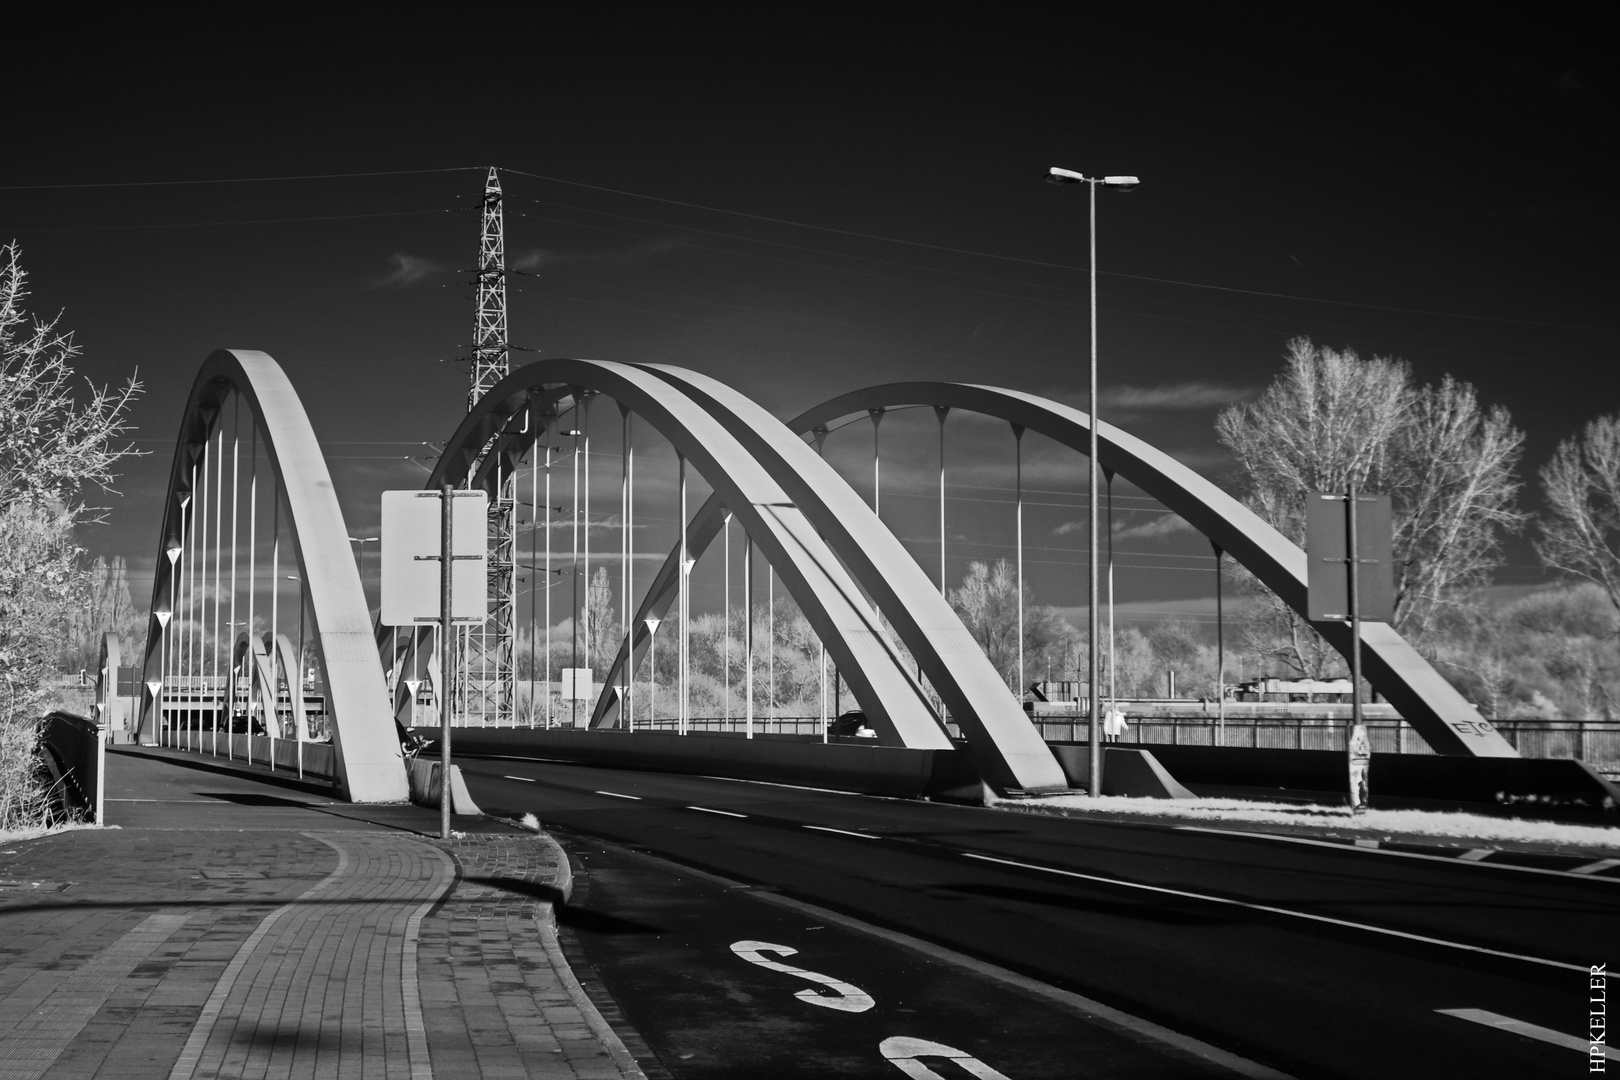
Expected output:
(1306, 960)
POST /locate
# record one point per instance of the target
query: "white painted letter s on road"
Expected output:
(848, 998)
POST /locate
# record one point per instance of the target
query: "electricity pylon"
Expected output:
(490, 674)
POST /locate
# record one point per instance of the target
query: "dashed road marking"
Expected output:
(1476, 855)
(1529, 1031)
(1269, 909)
(616, 795)
(525, 779)
(841, 832)
(722, 813)
(1596, 867)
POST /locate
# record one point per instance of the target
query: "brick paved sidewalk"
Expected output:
(161, 949)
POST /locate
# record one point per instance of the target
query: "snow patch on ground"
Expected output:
(16, 836)
(1334, 819)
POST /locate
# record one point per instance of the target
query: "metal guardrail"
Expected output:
(77, 748)
(1596, 742)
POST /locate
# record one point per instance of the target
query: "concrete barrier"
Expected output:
(1536, 787)
(425, 787)
(946, 775)
(308, 759)
(1126, 771)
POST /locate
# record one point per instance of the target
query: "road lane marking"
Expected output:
(525, 779)
(616, 795)
(1269, 909)
(1086, 1009)
(840, 832)
(1479, 854)
(1595, 867)
(723, 813)
(906, 1054)
(845, 997)
(1529, 1031)
(1590, 868)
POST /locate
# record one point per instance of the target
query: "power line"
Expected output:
(1057, 266)
(239, 221)
(234, 179)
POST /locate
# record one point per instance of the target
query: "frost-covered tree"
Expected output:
(1580, 533)
(54, 443)
(57, 441)
(987, 604)
(1333, 420)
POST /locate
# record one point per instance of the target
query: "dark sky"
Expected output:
(804, 204)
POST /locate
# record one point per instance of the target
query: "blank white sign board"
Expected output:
(410, 545)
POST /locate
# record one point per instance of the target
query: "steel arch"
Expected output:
(1419, 693)
(370, 766)
(810, 567)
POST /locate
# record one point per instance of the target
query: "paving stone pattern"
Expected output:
(498, 997)
(176, 952)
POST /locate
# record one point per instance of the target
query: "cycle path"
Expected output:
(234, 924)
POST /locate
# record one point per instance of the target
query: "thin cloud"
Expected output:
(1174, 397)
(409, 270)
(548, 258)
(1155, 527)
(1126, 404)
(1161, 525)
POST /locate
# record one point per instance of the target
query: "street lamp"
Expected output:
(1122, 183)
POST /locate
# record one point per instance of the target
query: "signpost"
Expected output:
(1354, 532)
(408, 583)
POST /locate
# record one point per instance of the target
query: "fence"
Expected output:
(663, 725)
(1596, 742)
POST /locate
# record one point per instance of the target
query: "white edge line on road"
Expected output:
(1425, 939)
(841, 832)
(723, 813)
(1454, 860)
(525, 779)
(1134, 1027)
(1528, 1030)
(616, 795)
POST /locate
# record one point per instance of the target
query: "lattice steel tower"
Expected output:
(489, 671)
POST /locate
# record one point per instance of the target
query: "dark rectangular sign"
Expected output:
(1327, 545)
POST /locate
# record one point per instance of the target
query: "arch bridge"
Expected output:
(220, 648)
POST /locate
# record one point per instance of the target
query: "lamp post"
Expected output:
(362, 541)
(1123, 183)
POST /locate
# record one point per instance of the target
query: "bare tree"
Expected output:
(104, 604)
(1454, 488)
(1581, 533)
(51, 445)
(988, 605)
(601, 628)
(1332, 420)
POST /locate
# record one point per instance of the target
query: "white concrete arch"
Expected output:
(751, 487)
(1422, 696)
(370, 766)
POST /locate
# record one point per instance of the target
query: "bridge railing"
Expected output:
(77, 747)
(1596, 742)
